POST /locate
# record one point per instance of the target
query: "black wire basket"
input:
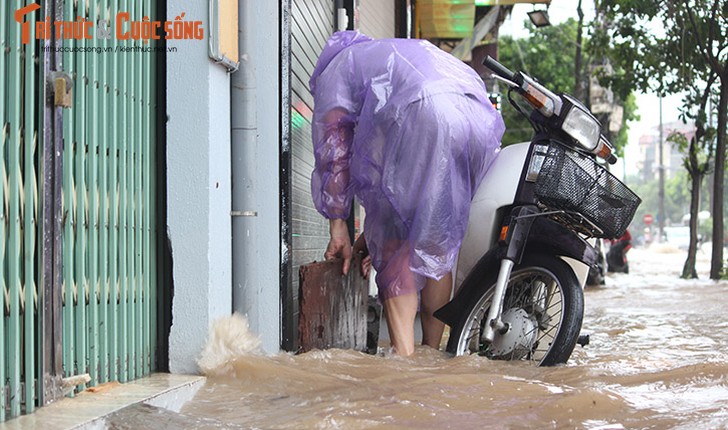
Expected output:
(584, 190)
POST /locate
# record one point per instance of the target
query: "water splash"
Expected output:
(230, 338)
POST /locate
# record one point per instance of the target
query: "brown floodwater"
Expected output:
(657, 360)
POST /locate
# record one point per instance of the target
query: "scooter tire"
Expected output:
(561, 337)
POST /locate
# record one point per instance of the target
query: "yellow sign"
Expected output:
(443, 19)
(508, 2)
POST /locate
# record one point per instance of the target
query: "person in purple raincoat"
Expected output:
(409, 130)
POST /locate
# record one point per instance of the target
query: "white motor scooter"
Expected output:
(525, 257)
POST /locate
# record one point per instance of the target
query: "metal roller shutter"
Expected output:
(312, 22)
(376, 18)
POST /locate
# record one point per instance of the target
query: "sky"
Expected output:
(648, 104)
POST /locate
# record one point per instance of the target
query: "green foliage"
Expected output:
(652, 49)
(548, 56)
(703, 153)
(660, 46)
(679, 140)
(629, 114)
(673, 47)
(623, 34)
(677, 197)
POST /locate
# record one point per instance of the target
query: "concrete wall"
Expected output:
(257, 261)
(198, 178)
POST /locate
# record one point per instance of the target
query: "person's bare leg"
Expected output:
(434, 296)
(400, 312)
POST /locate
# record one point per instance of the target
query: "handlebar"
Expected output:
(499, 69)
(545, 101)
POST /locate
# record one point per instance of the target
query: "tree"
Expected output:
(550, 55)
(542, 56)
(699, 150)
(579, 90)
(630, 114)
(693, 46)
(709, 26)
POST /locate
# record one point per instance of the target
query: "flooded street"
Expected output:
(657, 359)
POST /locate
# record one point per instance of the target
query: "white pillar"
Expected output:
(198, 187)
(256, 161)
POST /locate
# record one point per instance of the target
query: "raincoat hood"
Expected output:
(336, 43)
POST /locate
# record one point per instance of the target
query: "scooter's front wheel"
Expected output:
(543, 309)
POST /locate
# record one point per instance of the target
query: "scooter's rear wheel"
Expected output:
(543, 307)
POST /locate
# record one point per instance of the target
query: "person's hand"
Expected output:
(360, 248)
(339, 244)
(366, 266)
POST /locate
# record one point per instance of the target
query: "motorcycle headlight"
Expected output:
(583, 127)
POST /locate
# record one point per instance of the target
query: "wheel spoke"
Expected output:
(534, 294)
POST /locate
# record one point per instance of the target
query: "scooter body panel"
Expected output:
(580, 269)
(541, 226)
(497, 190)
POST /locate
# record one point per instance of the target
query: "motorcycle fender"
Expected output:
(546, 237)
(489, 263)
(549, 237)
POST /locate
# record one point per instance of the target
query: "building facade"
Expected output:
(159, 188)
(648, 161)
(241, 219)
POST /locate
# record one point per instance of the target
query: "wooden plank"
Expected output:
(333, 307)
(312, 21)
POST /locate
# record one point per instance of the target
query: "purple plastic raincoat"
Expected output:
(410, 131)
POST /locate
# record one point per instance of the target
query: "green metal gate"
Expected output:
(79, 203)
(19, 216)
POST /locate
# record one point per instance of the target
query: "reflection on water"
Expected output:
(657, 359)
